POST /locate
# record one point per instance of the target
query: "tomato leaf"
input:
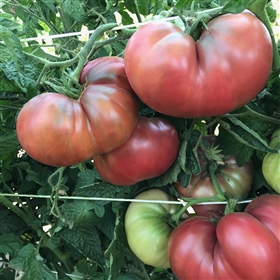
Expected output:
(85, 239)
(32, 264)
(8, 143)
(10, 244)
(245, 135)
(170, 176)
(229, 145)
(237, 6)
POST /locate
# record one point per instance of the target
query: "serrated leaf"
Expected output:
(26, 84)
(86, 240)
(86, 178)
(32, 264)
(10, 244)
(170, 176)
(74, 9)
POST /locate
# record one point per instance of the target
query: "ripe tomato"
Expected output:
(147, 229)
(177, 76)
(150, 150)
(93, 72)
(59, 131)
(233, 179)
(242, 245)
(271, 163)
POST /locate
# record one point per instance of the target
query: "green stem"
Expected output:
(137, 12)
(9, 204)
(192, 201)
(55, 192)
(258, 8)
(219, 193)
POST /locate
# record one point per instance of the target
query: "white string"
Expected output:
(116, 199)
(85, 32)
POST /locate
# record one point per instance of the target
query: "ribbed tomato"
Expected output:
(59, 131)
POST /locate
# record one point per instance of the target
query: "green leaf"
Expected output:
(10, 244)
(230, 145)
(86, 240)
(237, 6)
(10, 223)
(32, 264)
(186, 4)
(170, 176)
(86, 178)
(26, 84)
(14, 46)
(245, 135)
(8, 143)
(74, 9)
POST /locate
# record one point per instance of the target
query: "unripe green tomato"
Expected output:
(147, 229)
(271, 163)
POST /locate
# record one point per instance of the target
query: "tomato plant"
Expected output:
(151, 149)
(271, 163)
(60, 131)
(63, 222)
(232, 179)
(147, 228)
(242, 245)
(184, 78)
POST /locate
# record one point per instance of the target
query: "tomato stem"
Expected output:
(259, 9)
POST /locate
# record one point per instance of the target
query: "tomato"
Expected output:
(242, 245)
(177, 76)
(150, 150)
(93, 72)
(232, 179)
(59, 131)
(271, 163)
(147, 229)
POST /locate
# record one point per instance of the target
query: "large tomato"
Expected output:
(59, 131)
(147, 229)
(150, 150)
(177, 76)
(242, 245)
(232, 179)
(271, 163)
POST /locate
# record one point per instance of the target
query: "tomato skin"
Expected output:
(187, 79)
(271, 163)
(59, 131)
(240, 246)
(150, 150)
(114, 69)
(146, 228)
(233, 179)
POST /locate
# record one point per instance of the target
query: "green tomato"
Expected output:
(271, 163)
(147, 229)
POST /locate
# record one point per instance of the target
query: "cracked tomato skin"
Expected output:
(150, 150)
(242, 245)
(60, 131)
(225, 69)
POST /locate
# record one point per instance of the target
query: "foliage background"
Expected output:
(48, 237)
